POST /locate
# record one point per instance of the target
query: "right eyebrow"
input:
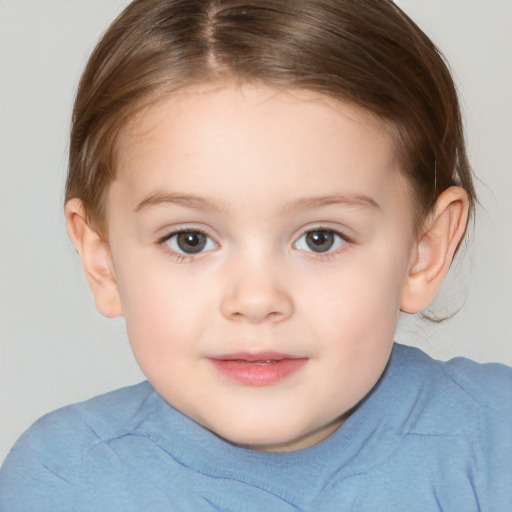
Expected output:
(185, 200)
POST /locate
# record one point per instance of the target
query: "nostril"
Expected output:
(256, 300)
(255, 313)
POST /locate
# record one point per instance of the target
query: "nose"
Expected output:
(255, 294)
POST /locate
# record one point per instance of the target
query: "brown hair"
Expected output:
(364, 51)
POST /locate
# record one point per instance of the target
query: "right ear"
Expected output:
(96, 259)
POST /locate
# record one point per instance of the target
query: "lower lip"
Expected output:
(254, 373)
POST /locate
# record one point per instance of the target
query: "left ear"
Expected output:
(434, 251)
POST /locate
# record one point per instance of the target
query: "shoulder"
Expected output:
(456, 418)
(458, 389)
(92, 421)
(49, 455)
(486, 386)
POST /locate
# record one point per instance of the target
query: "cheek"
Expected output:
(169, 316)
(359, 305)
(158, 308)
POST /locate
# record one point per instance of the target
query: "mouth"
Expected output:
(260, 369)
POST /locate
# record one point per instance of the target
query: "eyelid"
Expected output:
(325, 226)
(170, 232)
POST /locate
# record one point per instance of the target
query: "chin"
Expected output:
(275, 437)
(253, 433)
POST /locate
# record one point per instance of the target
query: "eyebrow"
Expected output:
(306, 203)
(357, 200)
(186, 200)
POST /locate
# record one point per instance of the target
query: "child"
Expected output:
(259, 188)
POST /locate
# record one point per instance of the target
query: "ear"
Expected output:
(96, 260)
(434, 251)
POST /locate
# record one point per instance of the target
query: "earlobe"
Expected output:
(434, 251)
(96, 260)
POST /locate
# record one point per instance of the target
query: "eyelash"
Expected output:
(321, 256)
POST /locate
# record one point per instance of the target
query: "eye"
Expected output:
(190, 242)
(320, 241)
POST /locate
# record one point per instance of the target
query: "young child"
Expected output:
(259, 188)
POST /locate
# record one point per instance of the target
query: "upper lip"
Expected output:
(255, 356)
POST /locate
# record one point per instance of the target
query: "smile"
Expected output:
(262, 369)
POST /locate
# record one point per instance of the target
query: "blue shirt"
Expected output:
(430, 436)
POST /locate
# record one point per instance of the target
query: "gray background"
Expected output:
(56, 349)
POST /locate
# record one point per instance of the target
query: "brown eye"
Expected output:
(190, 242)
(320, 241)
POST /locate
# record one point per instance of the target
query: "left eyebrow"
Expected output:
(356, 200)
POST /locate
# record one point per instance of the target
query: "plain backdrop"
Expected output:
(56, 349)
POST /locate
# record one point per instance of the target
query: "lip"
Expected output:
(258, 369)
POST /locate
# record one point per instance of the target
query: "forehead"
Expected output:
(230, 103)
(222, 136)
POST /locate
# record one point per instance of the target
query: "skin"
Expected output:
(256, 169)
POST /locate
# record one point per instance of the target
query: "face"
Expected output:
(260, 242)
